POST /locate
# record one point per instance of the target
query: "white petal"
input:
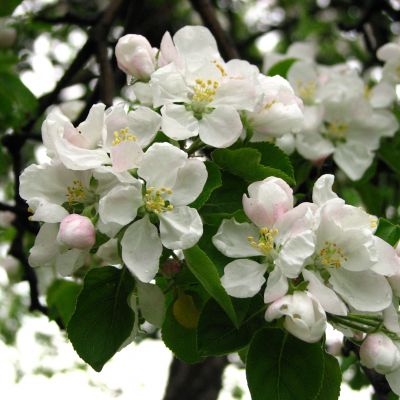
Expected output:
(189, 183)
(277, 286)
(382, 95)
(144, 123)
(180, 228)
(231, 239)
(151, 303)
(354, 159)
(178, 123)
(388, 51)
(68, 262)
(221, 128)
(108, 252)
(393, 379)
(141, 249)
(120, 204)
(388, 261)
(328, 299)
(46, 247)
(45, 211)
(365, 290)
(160, 165)
(391, 317)
(294, 253)
(93, 128)
(313, 146)
(243, 278)
(126, 155)
(322, 191)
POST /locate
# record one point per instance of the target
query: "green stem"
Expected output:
(196, 145)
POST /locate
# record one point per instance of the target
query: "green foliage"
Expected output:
(281, 367)
(216, 335)
(213, 182)
(8, 6)
(282, 67)
(255, 162)
(180, 340)
(61, 299)
(207, 274)
(388, 231)
(332, 379)
(103, 319)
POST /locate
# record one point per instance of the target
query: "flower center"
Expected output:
(306, 90)
(265, 242)
(331, 255)
(336, 131)
(76, 192)
(220, 68)
(204, 91)
(155, 200)
(123, 135)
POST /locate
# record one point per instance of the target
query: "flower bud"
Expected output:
(135, 56)
(76, 232)
(380, 353)
(269, 200)
(304, 316)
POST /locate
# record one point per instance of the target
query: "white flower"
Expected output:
(346, 264)
(279, 112)
(77, 148)
(128, 133)
(135, 56)
(76, 232)
(172, 182)
(304, 316)
(380, 353)
(390, 54)
(281, 234)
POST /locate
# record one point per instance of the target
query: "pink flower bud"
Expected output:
(380, 353)
(76, 232)
(135, 56)
(269, 200)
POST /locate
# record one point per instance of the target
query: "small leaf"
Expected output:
(330, 389)
(282, 67)
(281, 367)
(180, 340)
(213, 182)
(185, 311)
(388, 232)
(103, 319)
(253, 164)
(206, 273)
(216, 335)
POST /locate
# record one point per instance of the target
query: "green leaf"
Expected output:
(216, 335)
(388, 232)
(330, 389)
(213, 182)
(8, 6)
(282, 67)
(180, 340)
(255, 162)
(103, 319)
(206, 273)
(389, 153)
(61, 299)
(281, 367)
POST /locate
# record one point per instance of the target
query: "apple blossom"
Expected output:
(77, 232)
(303, 315)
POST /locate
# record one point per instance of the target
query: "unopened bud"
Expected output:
(77, 232)
(170, 267)
(135, 56)
(380, 353)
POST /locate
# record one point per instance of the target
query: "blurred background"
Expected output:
(60, 54)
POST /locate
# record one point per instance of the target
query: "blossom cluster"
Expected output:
(345, 114)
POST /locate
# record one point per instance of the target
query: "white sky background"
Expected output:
(139, 371)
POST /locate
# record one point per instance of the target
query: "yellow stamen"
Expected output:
(123, 135)
(155, 202)
(331, 255)
(204, 92)
(76, 192)
(265, 242)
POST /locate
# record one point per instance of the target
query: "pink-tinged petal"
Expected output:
(126, 155)
(277, 286)
(388, 261)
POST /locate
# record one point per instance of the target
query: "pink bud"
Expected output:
(380, 353)
(77, 232)
(135, 56)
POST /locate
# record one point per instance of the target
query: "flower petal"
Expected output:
(126, 155)
(178, 123)
(231, 239)
(221, 128)
(388, 261)
(365, 290)
(322, 191)
(141, 249)
(243, 278)
(69, 261)
(180, 228)
(277, 286)
(46, 248)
